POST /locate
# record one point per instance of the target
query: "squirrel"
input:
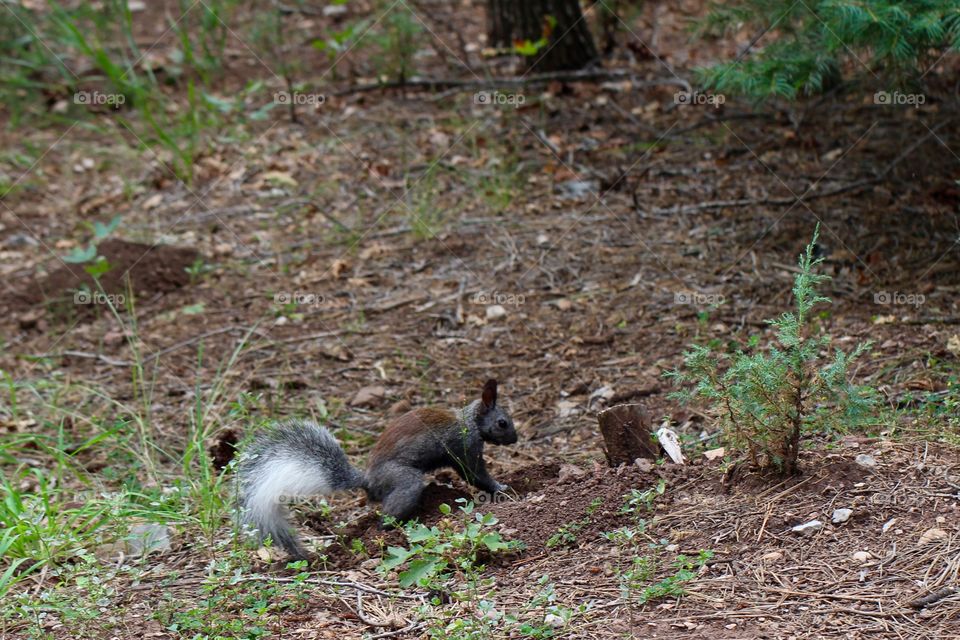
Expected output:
(301, 458)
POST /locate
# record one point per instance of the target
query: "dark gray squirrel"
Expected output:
(300, 458)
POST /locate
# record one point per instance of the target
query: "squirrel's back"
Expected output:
(427, 424)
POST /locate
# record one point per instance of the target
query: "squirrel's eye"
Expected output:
(502, 423)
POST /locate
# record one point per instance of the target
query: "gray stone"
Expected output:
(841, 515)
(865, 460)
(808, 528)
(145, 539)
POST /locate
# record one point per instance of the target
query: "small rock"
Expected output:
(152, 202)
(889, 523)
(865, 460)
(368, 397)
(604, 393)
(932, 535)
(575, 189)
(495, 312)
(568, 471)
(672, 548)
(567, 408)
(336, 352)
(553, 620)
(333, 10)
(114, 338)
(808, 528)
(543, 240)
(714, 454)
(88, 163)
(20, 240)
(144, 539)
(841, 515)
(862, 557)
(771, 557)
(953, 344)
(563, 304)
(645, 465)
(30, 319)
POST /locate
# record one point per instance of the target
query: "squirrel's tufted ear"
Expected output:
(489, 396)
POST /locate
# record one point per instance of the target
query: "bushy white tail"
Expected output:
(296, 460)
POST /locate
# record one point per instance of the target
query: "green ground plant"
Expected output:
(447, 558)
(95, 264)
(447, 550)
(769, 398)
(397, 41)
(53, 511)
(566, 533)
(638, 580)
(639, 586)
(935, 415)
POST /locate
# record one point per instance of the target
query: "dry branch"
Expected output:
(586, 75)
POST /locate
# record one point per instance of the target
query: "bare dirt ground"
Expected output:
(365, 246)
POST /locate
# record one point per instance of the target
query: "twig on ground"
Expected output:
(389, 634)
(587, 75)
(934, 597)
(367, 619)
(85, 354)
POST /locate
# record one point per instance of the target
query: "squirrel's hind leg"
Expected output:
(402, 493)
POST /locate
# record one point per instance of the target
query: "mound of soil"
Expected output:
(446, 489)
(553, 507)
(145, 270)
(584, 504)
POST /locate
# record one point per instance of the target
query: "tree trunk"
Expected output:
(555, 28)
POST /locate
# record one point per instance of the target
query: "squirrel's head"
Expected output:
(495, 424)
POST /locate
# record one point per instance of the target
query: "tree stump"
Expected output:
(627, 434)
